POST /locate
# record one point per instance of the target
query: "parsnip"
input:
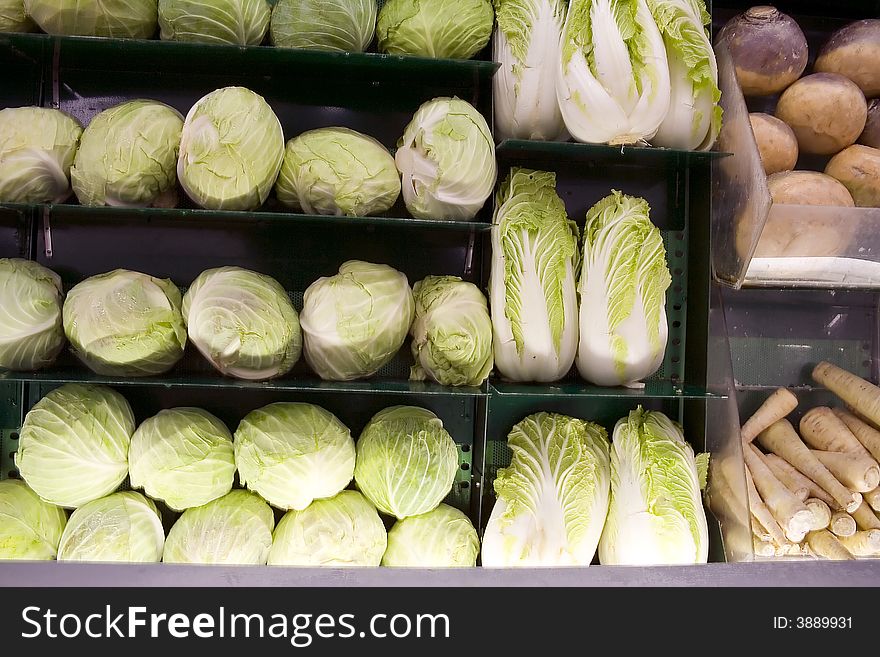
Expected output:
(824, 544)
(822, 429)
(864, 543)
(762, 513)
(863, 396)
(793, 484)
(865, 517)
(872, 497)
(781, 439)
(763, 548)
(867, 435)
(856, 472)
(791, 514)
(775, 407)
(842, 524)
(821, 513)
(815, 489)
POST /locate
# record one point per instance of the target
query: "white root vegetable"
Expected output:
(822, 429)
(842, 524)
(791, 514)
(863, 396)
(824, 544)
(867, 435)
(856, 472)
(821, 513)
(815, 489)
(762, 513)
(763, 548)
(872, 497)
(792, 483)
(865, 517)
(864, 543)
(781, 439)
(775, 407)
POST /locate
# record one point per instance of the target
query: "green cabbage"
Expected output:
(447, 160)
(656, 515)
(406, 461)
(622, 287)
(442, 538)
(123, 527)
(553, 498)
(182, 456)
(452, 332)
(446, 29)
(73, 445)
(235, 22)
(13, 17)
(344, 530)
(235, 529)
(31, 334)
(243, 323)
(30, 528)
(127, 156)
(294, 453)
(231, 150)
(334, 25)
(337, 171)
(356, 321)
(37, 148)
(124, 323)
(120, 19)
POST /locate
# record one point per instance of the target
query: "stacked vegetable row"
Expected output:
(566, 492)
(816, 494)
(79, 443)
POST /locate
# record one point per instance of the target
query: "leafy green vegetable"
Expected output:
(294, 453)
(235, 22)
(442, 538)
(30, 528)
(13, 17)
(446, 29)
(656, 514)
(334, 25)
(120, 19)
(553, 498)
(31, 334)
(406, 461)
(73, 445)
(182, 456)
(124, 323)
(127, 156)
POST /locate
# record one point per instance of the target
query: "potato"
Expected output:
(826, 111)
(858, 168)
(871, 133)
(808, 188)
(776, 143)
(768, 48)
(854, 52)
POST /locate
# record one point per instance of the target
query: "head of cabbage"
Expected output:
(73, 445)
(445, 29)
(120, 19)
(30, 528)
(452, 332)
(356, 321)
(235, 529)
(293, 453)
(337, 171)
(334, 25)
(231, 150)
(442, 538)
(406, 461)
(234, 22)
(31, 334)
(13, 17)
(37, 149)
(123, 527)
(124, 323)
(127, 156)
(344, 530)
(182, 456)
(243, 323)
(446, 157)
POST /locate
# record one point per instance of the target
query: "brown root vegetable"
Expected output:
(776, 141)
(854, 52)
(808, 188)
(826, 111)
(858, 169)
(871, 133)
(768, 48)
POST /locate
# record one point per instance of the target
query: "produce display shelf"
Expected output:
(583, 390)
(602, 153)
